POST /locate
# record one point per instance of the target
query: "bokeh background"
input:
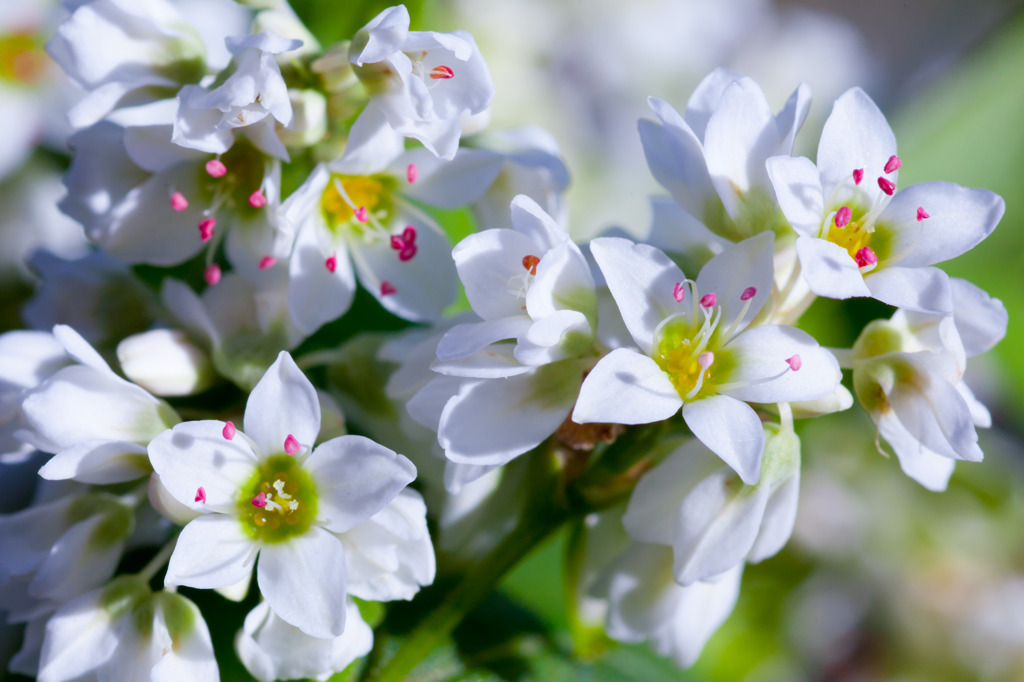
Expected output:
(882, 579)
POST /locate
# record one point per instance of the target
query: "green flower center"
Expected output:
(278, 502)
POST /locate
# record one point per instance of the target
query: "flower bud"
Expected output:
(165, 363)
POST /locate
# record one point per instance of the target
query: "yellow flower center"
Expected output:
(22, 59)
(354, 200)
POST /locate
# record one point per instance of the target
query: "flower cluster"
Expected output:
(240, 183)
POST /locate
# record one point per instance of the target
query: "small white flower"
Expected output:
(250, 100)
(124, 631)
(711, 159)
(271, 649)
(858, 236)
(421, 83)
(267, 492)
(699, 351)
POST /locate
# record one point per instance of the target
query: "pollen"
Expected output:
(442, 73)
(530, 264)
(279, 502)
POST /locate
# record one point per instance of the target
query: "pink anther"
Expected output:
(361, 214)
(866, 257)
(922, 214)
(678, 292)
(795, 363)
(411, 173)
(843, 216)
(893, 164)
(216, 169)
(229, 430)
(260, 500)
(212, 274)
(442, 73)
(387, 288)
(201, 495)
(179, 202)
(331, 263)
(886, 185)
(858, 175)
(267, 262)
(708, 300)
(748, 293)
(291, 445)
(206, 226)
(257, 199)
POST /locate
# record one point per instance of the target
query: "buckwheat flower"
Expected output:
(355, 216)
(271, 649)
(699, 351)
(421, 83)
(264, 491)
(711, 159)
(713, 522)
(95, 423)
(125, 631)
(117, 48)
(251, 100)
(858, 235)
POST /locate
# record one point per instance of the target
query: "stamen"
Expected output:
(704, 360)
(530, 263)
(361, 214)
(858, 175)
(331, 263)
(411, 173)
(893, 164)
(407, 253)
(260, 500)
(216, 169)
(201, 495)
(843, 216)
(708, 300)
(291, 445)
(887, 186)
(229, 430)
(212, 274)
(866, 257)
(922, 214)
(179, 202)
(748, 293)
(795, 363)
(442, 73)
(206, 226)
(267, 262)
(678, 292)
(387, 288)
(257, 199)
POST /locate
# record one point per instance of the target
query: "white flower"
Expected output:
(358, 213)
(124, 631)
(27, 358)
(271, 649)
(420, 82)
(711, 159)
(711, 520)
(250, 100)
(266, 492)
(95, 423)
(116, 48)
(858, 236)
(698, 350)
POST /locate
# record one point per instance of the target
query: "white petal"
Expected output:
(79, 349)
(79, 639)
(730, 273)
(828, 269)
(763, 374)
(530, 219)
(493, 362)
(561, 335)
(283, 403)
(959, 218)
(84, 558)
(778, 520)
(925, 290)
(355, 478)
(455, 183)
(980, 319)
(191, 656)
(856, 136)
(563, 282)
(212, 551)
(921, 464)
(626, 387)
(316, 295)
(303, 580)
(706, 99)
(792, 116)
(937, 415)
(196, 454)
(489, 264)
(676, 159)
(731, 429)
(98, 462)
(463, 340)
(798, 189)
(641, 279)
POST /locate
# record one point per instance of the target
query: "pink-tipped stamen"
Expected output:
(179, 202)
(216, 169)
(257, 199)
(411, 173)
(678, 292)
(267, 262)
(442, 73)
(865, 257)
(201, 495)
(206, 226)
(795, 363)
(708, 300)
(748, 293)
(530, 264)
(858, 175)
(843, 216)
(893, 164)
(212, 274)
(260, 500)
(886, 185)
(922, 214)
(409, 234)
(361, 214)
(291, 445)
(229, 430)
(331, 263)
(387, 288)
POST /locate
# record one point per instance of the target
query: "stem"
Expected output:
(158, 561)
